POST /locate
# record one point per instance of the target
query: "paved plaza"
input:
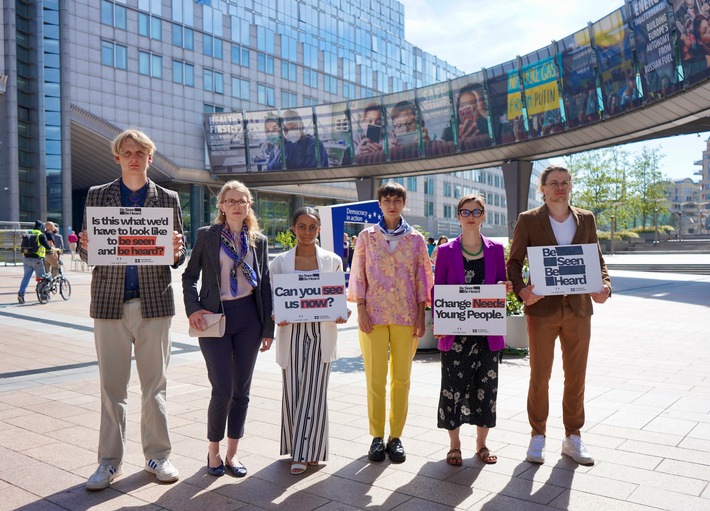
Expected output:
(648, 418)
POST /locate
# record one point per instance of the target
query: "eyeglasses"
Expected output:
(231, 202)
(468, 212)
(409, 125)
(560, 184)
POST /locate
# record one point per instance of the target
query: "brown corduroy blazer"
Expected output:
(533, 229)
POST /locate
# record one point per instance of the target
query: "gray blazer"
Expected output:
(205, 260)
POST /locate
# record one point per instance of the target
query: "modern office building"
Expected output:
(76, 72)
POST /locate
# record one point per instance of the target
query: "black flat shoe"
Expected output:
(215, 471)
(377, 449)
(396, 450)
(237, 470)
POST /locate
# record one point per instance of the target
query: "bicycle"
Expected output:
(48, 285)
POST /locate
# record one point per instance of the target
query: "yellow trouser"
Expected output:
(398, 344)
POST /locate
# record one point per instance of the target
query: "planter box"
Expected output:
(516, 328)
(427, 341)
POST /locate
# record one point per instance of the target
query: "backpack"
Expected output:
(30, 242)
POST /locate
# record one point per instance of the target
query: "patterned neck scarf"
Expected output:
(394, 234)
(239, 258)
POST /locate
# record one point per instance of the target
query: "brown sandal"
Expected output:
(486, 456)
(453, 457)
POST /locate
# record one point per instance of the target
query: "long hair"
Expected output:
(250, 221)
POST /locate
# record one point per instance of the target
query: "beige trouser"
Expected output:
(115, 339)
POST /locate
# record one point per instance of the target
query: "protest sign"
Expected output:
(130, 236)
(565, 269)
(300, 297)
(469, 310)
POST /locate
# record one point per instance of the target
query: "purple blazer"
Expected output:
(449, 270)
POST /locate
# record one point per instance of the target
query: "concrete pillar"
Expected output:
(516, 175)
(367, 188)
(197, 211)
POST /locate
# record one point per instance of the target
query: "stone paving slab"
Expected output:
(648, 419)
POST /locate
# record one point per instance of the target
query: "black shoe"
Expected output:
(377, 449)
(237, 470)
(215, 471)
(21, 298)
(396, 450)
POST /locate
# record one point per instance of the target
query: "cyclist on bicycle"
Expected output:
(33, 262)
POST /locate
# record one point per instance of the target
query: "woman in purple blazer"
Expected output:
(469, 364)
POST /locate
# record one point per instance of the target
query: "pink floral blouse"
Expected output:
(391, 283)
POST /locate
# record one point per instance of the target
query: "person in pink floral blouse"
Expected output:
(390, 280)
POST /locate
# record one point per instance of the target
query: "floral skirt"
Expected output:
(469, 384)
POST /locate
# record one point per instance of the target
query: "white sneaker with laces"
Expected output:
(163, 469)
(536, 449)
(573, 447)
(103, 476)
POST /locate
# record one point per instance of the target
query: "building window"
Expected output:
(288, 99)
(447, 189)
(213, 81)
(212, 109)
(265, 95)
(457, 192)
(398, 180)
(240, 88)
(113, 15)
(310, 78)
(183, 37)
(330, 84)
(212, 46)
(288, 71)
(150, 26)
(309, 101)
(429, 186)
(183, 73)
(349, 91)
(114, 55)
(150, 64)
(240, 56)
(412, 184)
(428, 209)
(264, 63)
(447, 211)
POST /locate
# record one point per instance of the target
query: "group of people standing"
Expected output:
(391, 283)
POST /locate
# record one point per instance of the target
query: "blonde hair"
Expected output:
(250, 221)
(137, 136)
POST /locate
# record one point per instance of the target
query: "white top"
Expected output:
(564, 231)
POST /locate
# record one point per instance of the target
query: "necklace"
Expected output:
(469, 253)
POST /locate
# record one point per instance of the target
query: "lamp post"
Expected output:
(655, 218)
(613, 223)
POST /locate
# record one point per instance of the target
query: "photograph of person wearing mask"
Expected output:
(301, 149)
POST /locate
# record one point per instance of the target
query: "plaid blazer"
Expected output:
(108, 282)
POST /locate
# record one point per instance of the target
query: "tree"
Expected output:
(599, 181)
(646, 181)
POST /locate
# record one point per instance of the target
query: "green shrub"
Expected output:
(513, 306)
(286, 239)
(603, 235)
(627, 234)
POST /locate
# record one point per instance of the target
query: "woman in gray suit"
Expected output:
(232, 256)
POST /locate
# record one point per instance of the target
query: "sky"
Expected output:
(472, 34)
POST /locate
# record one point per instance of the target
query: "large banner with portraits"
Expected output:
(436, 118)
(653, 24)
(367, 118)
(226, 149)
(404, 134)
(334, 132)
(578, 79)
(472, 129)
(542, 97)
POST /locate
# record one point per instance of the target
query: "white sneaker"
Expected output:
(573, 447)
(536, 449)
(163, 469)
(103, 476)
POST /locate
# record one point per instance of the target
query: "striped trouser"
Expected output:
(304, 410)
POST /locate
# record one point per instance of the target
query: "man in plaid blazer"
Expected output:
(133, 306)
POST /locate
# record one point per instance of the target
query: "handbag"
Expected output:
(216, 324)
